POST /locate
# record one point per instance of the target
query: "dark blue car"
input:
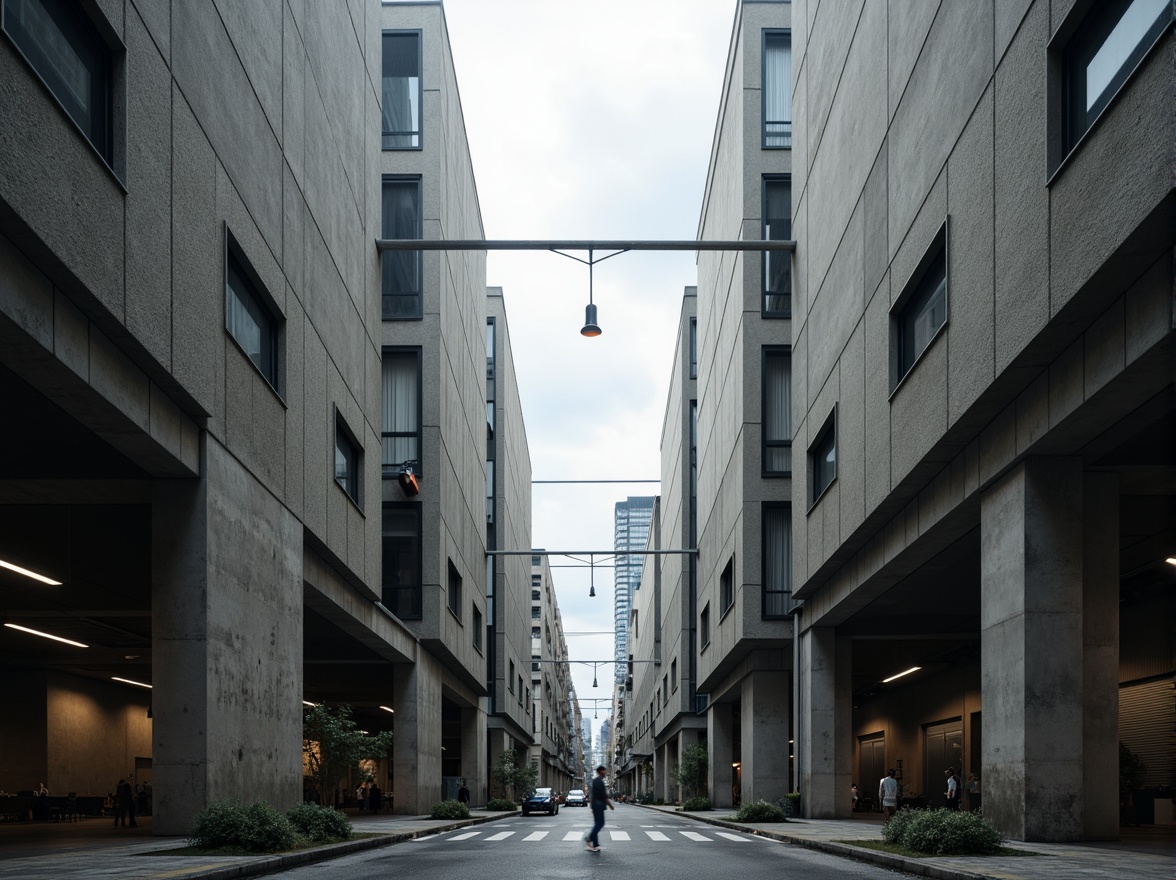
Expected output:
(541, 800)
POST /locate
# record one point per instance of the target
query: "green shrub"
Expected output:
(256, 828)
(451, 810)
(319, 824)
(696, 805)
(501, 805)
(760, 811)
(942, 832)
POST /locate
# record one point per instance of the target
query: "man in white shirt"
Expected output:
(888, 794)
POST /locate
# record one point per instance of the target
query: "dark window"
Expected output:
(454, 591)
(777, 221)
(511, 678)
(536, 612)
(823, 459)
(1103, 53)
(694, 348)
(536, 633)
(777, 412)
(727, 586)
(477, 618)
(534, 595)
(674, 675)
(535, 662)
(348, 460)
(704, 626)
(400, 411)
(777, 560)
(247, 317)
(60, 43)
(777, 89)
(400, 99)
(665, 689)
(921, 310)
(401, 283)
(402, 561)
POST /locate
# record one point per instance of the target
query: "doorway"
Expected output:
(943, 747)
(871, 769)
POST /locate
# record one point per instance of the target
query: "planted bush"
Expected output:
(501, 805)
(254, 828)
(942, 832)
(319, 824)
(760, 811)
(696, 805)
(451, 810)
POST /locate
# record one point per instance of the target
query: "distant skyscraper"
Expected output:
(631, 532)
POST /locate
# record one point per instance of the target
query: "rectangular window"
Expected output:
(727, 586)
(476, 616)
(400, 96)
(401, 584)
(704, 626)
(777, 89)
(62, 46)
(534, 595)
(454, 584)
(665, 688)
(536, 612)
(511, 678)
(777, 560)
(401, 280)
(777, 412)
(535, 662)
(777, 222)
(674, 674)
(247, 317)
(1103, 52)
(822, 457)
(920, 311)
(400, 411)
(348, 460)
(694, 348)
(536, 633)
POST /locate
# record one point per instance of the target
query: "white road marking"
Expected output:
(619, 835)
(573, 835)
(466, 836)
(656, 835)
(738, 837)
(501, 835)
(693, 835)
(536, 835)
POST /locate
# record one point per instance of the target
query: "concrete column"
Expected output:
(473, 752)
(416, 746)
(825, 716)
(765, 706)
(1031, 636)
(226, 643)
(1100, 656)
(720, 731)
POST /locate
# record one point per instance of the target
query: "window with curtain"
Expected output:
(400, 95)
(777, 412)
(401, 584)
(400, 416)
(777, 214)
(248, 321)
(401, 282)
(777, 89)
(777, 561)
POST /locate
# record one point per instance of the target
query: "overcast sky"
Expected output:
(590, 120)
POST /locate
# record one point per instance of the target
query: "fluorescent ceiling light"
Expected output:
(37, 632)
(29, 574)
(129, 681)
(386, 709)
(1171, 560)
(308, 703)
(901, 674)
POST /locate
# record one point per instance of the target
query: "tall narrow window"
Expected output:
(400, 415)
(727, 586)
(920, 311)
(477, 618)
(823, 459)
(454, 590)
(348, 460)
(777, 208)
(401, 282)
(777, 89)
(777, 560)
(704, 626)
(694, 348)
(62, 46)
(401, 583)
(400, 97)
(247, 318)
(777, 412)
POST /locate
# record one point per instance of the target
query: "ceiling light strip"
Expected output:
(901, 674)
(45, 635)
(29, 574)
(130, 681)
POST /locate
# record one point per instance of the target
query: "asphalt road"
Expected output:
(636, 843)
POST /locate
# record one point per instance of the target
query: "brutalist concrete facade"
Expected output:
(994, 504)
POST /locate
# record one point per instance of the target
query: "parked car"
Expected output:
(576, 798)
(541, 800)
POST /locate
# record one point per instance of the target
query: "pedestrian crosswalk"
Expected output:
(614, 835)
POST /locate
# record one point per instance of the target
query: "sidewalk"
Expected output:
(1147, 856)
(92, 849)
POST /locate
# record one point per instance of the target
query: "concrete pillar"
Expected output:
(473, 752)
(765, 705)
(825, 714)
(226, 643)
(1031, 636)
(416, 746)
(720, 732)
(1100, 656)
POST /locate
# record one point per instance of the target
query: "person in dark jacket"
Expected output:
(126, 804)
(599, 800)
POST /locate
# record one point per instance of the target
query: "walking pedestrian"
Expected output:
(599, 802)
(463, 793)
(888, 795)
(126, 804)
(953, 789)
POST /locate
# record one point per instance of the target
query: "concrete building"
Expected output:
(630, 532)
(982, 341)
(218, 382)
(549, 685)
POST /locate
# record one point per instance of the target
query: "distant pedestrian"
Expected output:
(374, 799)
(599, 802)
(888, 795)
(853, 794)
(953, 789)
(126, 804)
(361, 794)
(463, 794)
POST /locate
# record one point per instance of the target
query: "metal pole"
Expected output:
(477, 244)
(683, 552)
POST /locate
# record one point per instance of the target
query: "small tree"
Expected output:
(334, 745)
(511, 775)
(691, 772)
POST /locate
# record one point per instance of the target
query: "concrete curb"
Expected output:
(848, 851)
(325, 853)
